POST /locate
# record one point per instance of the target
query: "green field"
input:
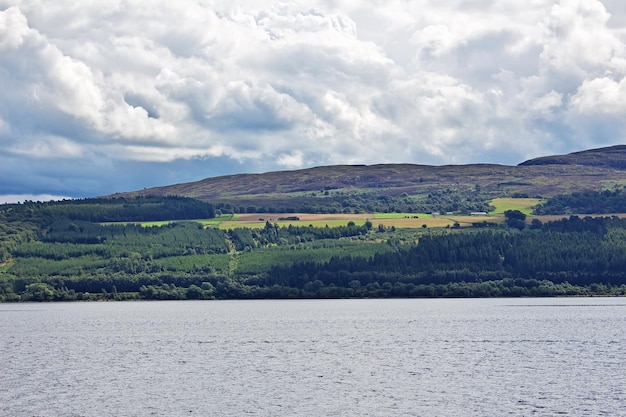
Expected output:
(400, 215)
(525, 205)
(214, 222)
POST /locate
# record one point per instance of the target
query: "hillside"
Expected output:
(406, 186)
(176, 247)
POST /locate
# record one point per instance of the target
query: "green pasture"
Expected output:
(151, 224)
(525, 205)
(400, 215)
(214, 222)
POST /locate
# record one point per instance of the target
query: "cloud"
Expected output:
(579, 41)
(597, 111)
(107, 84)
(601, 96)
(292, 160)
(20, 198)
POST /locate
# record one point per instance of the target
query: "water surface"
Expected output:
(477, 357)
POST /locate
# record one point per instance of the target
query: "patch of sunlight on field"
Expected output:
(434, 222)
(411, 223)
(525, 205)
(324, 223)
(259, 224)
(232, 224)
(611, 185)
(399, 215)
(397, 220)
(210, 222)
(157, 223)
(205, 222)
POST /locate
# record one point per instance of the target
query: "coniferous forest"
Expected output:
(106, 249)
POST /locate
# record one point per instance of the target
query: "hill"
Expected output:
(611, 157)
(406, 187)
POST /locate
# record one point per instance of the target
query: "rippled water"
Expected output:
(494, 357)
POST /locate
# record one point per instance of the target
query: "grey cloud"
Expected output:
(253, 108)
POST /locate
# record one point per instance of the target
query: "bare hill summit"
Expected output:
(406, 185)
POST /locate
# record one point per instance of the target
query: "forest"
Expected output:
(103, 249)
(585, 202)
(137, 209)
(575, 251)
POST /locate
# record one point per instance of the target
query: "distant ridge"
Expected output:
(612, 157)
(592, 170)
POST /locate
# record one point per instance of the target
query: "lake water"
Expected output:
(478, 357)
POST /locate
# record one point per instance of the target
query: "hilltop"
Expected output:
(353, 187)
(611, 157)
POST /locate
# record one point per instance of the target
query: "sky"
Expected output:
(106, 96)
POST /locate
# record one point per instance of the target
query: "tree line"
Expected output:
(334, 201)
(138, 209)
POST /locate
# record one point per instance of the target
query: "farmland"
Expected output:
(396, 220)
(400, 220)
